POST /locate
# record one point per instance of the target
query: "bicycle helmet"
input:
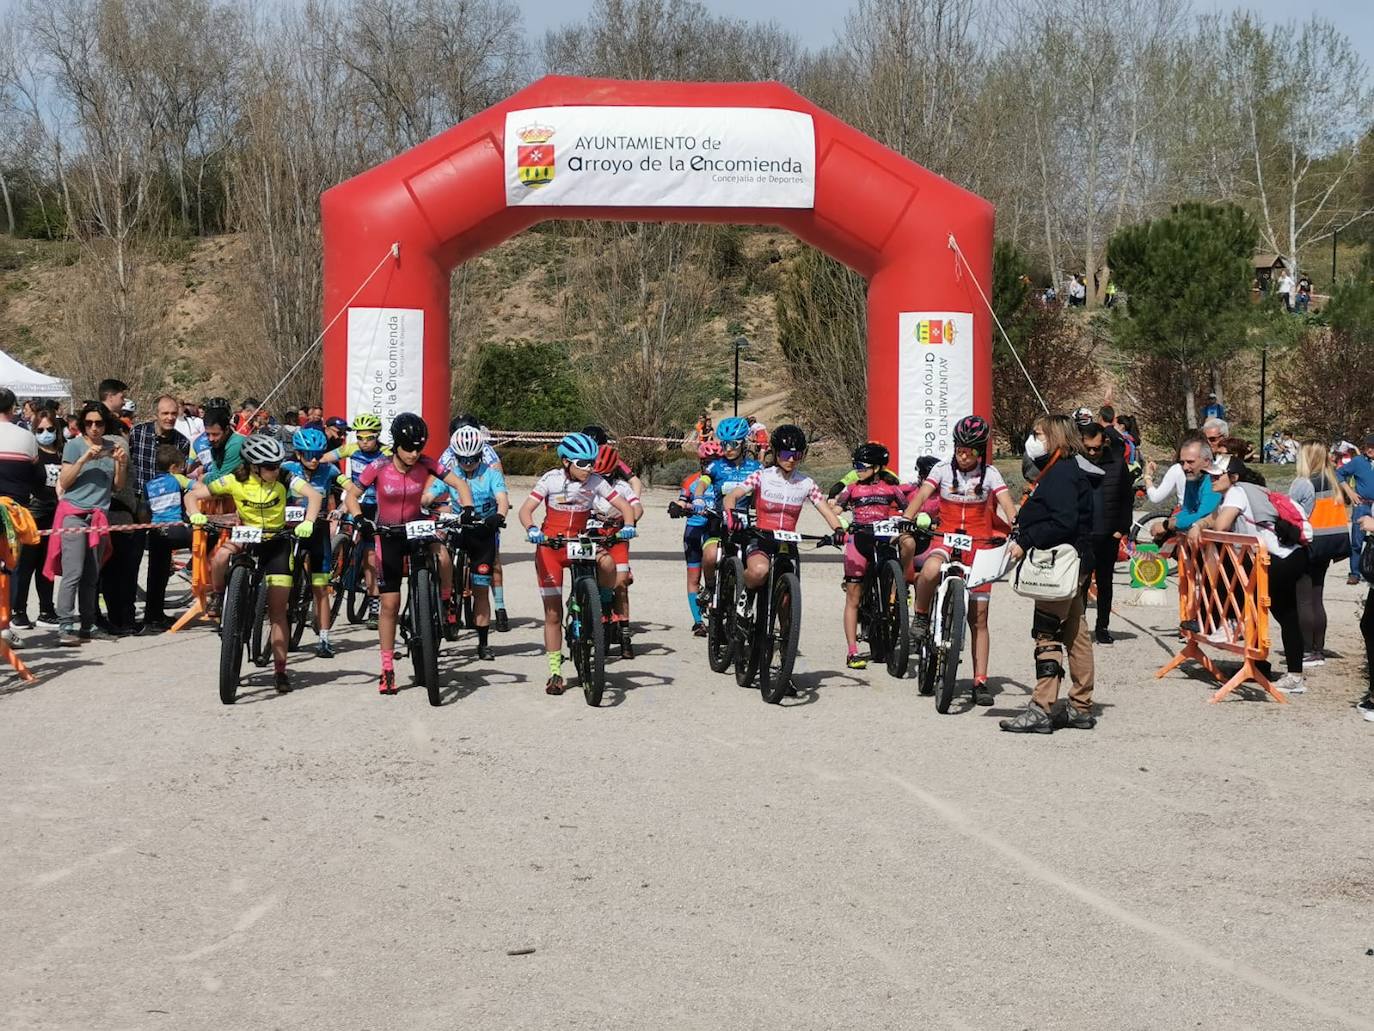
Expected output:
(733, 430)
(607, 460)
(972, 431)
(787, 438)
(710, 449)
(872, 454)
(409, 431)
(465, 419)
(577, 447)
(466, 442)
(263, 449)
(924, 464)
(597, 433)
(367, 422)
(216, 402)
(309, 441)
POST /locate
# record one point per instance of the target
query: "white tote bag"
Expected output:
(1047, 574)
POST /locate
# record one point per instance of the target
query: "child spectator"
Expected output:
(165, 492)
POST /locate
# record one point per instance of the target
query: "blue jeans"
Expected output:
(1356, 537)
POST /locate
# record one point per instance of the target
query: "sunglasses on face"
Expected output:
(788, 456)
(311, 456)
(581, 464)
(1093, 450)
(95, 422)
(469, 459)
(269, 466)
(862, 467)
(364, 438)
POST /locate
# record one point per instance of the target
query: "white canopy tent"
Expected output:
(26, 382)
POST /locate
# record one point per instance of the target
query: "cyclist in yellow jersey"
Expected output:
(352, 459)
(260, 497)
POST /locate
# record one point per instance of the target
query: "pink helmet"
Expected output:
(709, 449)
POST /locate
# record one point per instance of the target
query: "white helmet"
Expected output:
(467, 441)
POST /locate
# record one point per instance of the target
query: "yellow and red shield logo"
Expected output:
(535, 156)
(934, 331)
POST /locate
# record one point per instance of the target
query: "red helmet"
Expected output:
(607, 460)
(710, 449)
(972, 431)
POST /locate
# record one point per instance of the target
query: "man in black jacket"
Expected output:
(1112, 511)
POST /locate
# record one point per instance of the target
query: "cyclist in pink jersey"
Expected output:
(873, 497)
(779, 493)
(401, 481)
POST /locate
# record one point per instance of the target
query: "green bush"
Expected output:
(526, 386)
(527, 461)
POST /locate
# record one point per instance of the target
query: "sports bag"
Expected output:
(1047, 574)
(1290, 525)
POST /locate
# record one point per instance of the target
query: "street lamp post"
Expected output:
(740, 342)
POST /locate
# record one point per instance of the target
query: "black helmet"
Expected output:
(465, 419)
(972, 431)
(787, 438)
(409, 431)
(924, 464)
(597, 433)
(871, 454)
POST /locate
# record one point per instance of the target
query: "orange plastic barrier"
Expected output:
(1223, 603)
(7, 563)
(203, 547)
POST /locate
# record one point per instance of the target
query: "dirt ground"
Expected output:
(684, 856)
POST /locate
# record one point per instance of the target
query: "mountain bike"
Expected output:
(350, 572)
(451, 531)
(300, 607)
(885, 594)
(418, 622)
(243, 583)
(768, 618)
(938, 659)
(584, 622)
(723, 603)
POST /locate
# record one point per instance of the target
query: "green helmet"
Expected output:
(367, 422)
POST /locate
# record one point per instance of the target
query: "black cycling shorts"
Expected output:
(480, 544)
(391, 560)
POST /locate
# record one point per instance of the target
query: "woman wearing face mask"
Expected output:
(1059, 511)
(43, 505)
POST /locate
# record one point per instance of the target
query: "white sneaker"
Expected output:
(11, 638)
(1365, 707)
(1224, 634)
(1292, 683)
(1314, 659)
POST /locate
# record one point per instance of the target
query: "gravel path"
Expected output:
(685, 856)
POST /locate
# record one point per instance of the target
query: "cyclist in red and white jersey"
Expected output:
(613, 562)
(568, 495)
(968, 489)
(779, 493)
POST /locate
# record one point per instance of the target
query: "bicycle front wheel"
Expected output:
(779, 643)
(233, 621)
(424, 633)
(589, 643)
(720, 627)
(301, 603)
(343, 557)
(953, 617)
(355, 583)
(892, 592)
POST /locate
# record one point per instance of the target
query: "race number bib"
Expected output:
(245, 535)
(959, 541)
(787, 536)
(420, 529)
(295, 514)
(581, 551)
(885, 528)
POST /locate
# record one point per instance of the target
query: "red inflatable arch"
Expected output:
(747, 153)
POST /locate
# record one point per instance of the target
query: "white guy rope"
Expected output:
(393, 252)
(959, 255)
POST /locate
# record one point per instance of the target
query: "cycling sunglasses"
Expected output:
(861, 467)
(469, 459)
(788, 456)
(269, 465)
(368, 436)
(310, 456)
(581, 463)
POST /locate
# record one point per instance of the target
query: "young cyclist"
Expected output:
(448, 461)
(400, 483)
(567, 494)
(721, 477)
(491, 502)
(694, 533)
(872, 496)
(778, 494)
(310, 445)
(967, 487)
(613, 562)
(353, 459)
(259, 491)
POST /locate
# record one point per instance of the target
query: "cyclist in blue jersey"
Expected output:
(353, 459)
(721, 477)
(310, 445)
(491, 502)
(694, 533)
(449, 461)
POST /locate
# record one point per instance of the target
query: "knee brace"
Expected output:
(1047, 661)
(1046, 626)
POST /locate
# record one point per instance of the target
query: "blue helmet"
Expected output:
(309, 440)
(732, 430)
(578, 447)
